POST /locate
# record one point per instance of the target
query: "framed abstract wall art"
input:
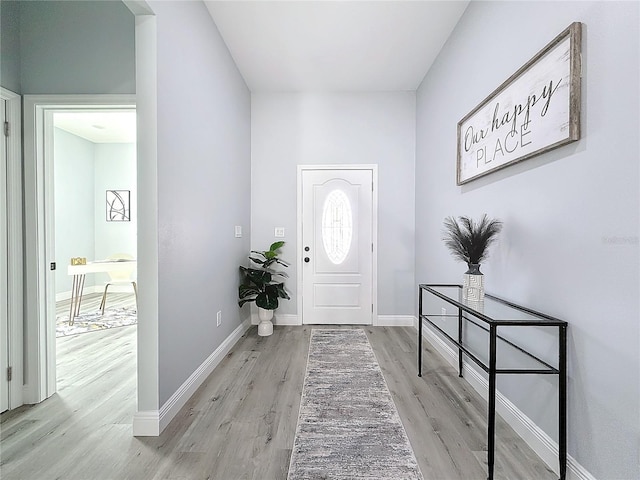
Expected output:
(118, 206)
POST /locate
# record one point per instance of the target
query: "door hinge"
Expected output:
(372, 186)
(6, 129)
(52, 266)
(9, 373)
(372, 247)
(372, 308)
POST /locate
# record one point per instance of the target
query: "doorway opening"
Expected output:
(63, 187)
(95, 227)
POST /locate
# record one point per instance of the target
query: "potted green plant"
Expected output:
(263, 285)
(469, 241)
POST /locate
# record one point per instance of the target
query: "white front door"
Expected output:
(337, 246)
(4, 270)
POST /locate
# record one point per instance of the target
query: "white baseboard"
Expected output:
(543, 445)
(287, 319)
(96, 289)
(146, 424)
(154, 422)
(113, 288)
(396, 321)
(278, 319)
(383, 320)
(88, 289)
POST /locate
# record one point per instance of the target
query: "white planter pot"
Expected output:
(265, 327)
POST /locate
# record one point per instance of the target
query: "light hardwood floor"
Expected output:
(241, 423)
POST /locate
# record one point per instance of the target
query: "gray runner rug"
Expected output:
(348, 426)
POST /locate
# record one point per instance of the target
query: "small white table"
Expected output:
(79, 271)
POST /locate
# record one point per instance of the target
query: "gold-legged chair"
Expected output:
(120, 277)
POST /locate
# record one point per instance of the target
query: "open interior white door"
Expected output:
(337, 236)
(4, 270)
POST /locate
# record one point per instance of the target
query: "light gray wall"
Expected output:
(203, 153)
(571, 217)
(10, 45)
(115, 169)
(74, 203)
(76, 47)
(204, 141)
(324, 129)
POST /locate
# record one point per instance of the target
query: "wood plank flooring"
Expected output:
(240, 424)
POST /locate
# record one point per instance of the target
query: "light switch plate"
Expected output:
(238, 231)
(279, 232)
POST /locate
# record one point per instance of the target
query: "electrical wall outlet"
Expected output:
(238, 231)
(219, 318)
(444, 311)
(278, 232)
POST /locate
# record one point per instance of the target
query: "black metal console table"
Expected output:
(489, 315)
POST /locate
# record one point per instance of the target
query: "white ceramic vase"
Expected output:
(265, 327)
(473, 284)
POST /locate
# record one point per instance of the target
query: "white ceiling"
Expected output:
(311, 46)
(99, 127)
(334, 46)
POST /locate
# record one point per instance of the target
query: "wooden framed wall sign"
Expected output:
(534, 111)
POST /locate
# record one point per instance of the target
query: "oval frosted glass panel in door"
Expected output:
(337, 226)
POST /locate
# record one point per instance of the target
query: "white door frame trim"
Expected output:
(39, 365)
(374, 231)
(147, 145)
(14, 244)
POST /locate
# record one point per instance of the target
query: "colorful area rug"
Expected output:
(348, 426)
(93, 321)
